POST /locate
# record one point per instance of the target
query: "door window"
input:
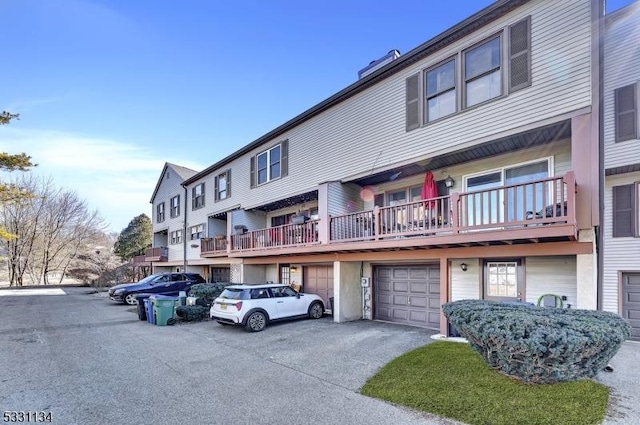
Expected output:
(502, 282)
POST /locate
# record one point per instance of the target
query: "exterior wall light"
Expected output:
(449, 182)
(464, 267)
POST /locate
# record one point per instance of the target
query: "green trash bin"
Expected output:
(163, 309)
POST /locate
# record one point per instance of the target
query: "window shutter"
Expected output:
(626, 113)
(216, 195)
(623, 211)
(252, 173)
(228, 183)
(284, 158)
(520, 55)
(193, 198)
(413, 102)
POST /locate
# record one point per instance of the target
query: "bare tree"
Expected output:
(53, 228)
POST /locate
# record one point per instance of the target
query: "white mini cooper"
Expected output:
(254, 306)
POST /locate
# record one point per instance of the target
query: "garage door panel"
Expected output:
(631, 302)
(400, 300)
(400, 273)
(418, 301)
(418, 287)
(414, 291)
(319, 280)
(400, 286)
(418, 273)
(418, 316)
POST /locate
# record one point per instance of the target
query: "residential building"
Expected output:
(621, 259)
(498, 117)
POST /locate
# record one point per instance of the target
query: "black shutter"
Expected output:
(252, 173)
(413, 102)
(520, 55)
(284, 158)
(228, 183)
(623, 211)
(216, 195)
(626, 113)
(193, 198)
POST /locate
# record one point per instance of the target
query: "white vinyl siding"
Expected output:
(344, 198)
(465, 285)
(620, 254)
(621, 69)
(354, 137)
(551, 275)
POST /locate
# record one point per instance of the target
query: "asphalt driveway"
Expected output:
(89, 361)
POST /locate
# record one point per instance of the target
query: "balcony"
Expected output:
(157, 254)
(288, 235)
(212, 247)
(140, 261)
(531, 212)
(528, 211)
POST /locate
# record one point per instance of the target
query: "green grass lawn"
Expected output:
(450, 379)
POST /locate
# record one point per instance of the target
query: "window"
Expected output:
(626, 206)
(482, 72)
(488, 205)
(285, 274)
(176, 237)
(160, 212)
(197, 196)
(626, 113)
(175, 206)
(270, 165)
(471, 77)
(197, 231)
(441, 91)
(502, 280)
(223, 186)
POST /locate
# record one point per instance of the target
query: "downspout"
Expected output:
(600, 28)
(184, 232)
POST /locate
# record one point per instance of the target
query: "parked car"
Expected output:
(163, 283)
(254, 306)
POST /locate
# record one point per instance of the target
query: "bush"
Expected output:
(192, 313)
(208, 291)
(539, 344)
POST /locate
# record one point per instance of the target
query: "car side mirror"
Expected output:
(298, 295)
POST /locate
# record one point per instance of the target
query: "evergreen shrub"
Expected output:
(208, 291)
(539, 344)
(192, 313)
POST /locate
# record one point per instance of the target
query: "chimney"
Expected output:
(379, 63)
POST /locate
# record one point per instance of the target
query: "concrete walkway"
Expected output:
(624, 381)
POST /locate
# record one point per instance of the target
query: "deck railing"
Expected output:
(540, 202)
(214, 245)
(277, 236)
(158, 253)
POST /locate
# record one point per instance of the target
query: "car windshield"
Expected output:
(234, 294)
(149, 278)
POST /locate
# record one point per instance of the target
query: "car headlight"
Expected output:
(118, 291)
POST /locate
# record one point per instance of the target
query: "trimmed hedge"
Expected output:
(208, 291)
(539, 344)
(192, 313)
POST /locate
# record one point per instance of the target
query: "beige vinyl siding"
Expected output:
(271, 273)
(559, 151)
(344, 198)
(465, 285)
(621, 68)
(367, 132)
(170, 187)
(620, 254)
(253, 220)
(551, 275)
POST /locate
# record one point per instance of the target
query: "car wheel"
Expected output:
(256, 322)
(316, 311)
(131, 299)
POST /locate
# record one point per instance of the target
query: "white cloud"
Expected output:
(115, 178)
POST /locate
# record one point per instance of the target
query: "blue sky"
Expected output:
(109, 90)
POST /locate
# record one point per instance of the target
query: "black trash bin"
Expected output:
(142, 312)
